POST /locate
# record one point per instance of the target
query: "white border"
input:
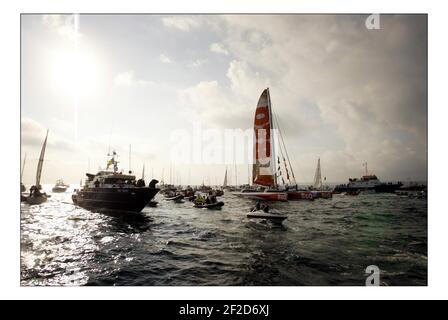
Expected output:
(9, 131)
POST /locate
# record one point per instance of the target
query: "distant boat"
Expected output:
(113, 190)
(176, 197)
(36, 196)
(317, 188)
(60, 186)
(215, 206)
(367, 183)
(264, 167)
(207, 201)
(260, 214)
(224, 185)
(22, 186)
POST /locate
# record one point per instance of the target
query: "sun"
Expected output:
(75, 72)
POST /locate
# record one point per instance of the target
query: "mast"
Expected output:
(41, 161)
(236, 176)
(143, 172)
(274, 163)
(23, 168)
(365, 165)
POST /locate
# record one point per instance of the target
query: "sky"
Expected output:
(172, 86)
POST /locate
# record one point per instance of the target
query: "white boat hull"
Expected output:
(267, 216)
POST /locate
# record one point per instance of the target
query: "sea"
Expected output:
(326, 242)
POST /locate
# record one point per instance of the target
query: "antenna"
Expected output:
(110, 135)
(130, 171)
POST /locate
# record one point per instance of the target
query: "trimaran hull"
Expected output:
(263, 196)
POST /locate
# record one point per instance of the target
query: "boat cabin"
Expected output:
(107, 179)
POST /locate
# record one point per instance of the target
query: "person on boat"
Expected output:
(35, 192)
(32, 190)
(140, 183)
(257, 206)
(200, 200)
(265, 208)
(153, 183)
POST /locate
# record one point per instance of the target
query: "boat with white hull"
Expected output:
(60, 186)
(368, 183)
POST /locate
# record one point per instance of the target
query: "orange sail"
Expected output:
(264, 159)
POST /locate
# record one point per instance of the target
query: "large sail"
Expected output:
(318, 176)
(41, 161)
(224, 185)
(264, 159)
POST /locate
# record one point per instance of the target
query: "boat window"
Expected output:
(113, 181)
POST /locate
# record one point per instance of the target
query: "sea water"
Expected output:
(323, 242)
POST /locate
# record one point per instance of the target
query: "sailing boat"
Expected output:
(317, 187)
(37, 197)
(264, 167)
(22, 186)
(318, 177)
(224, 184)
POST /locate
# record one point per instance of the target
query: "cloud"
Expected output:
(218, 48)
(225, 106)
(127, 79)
(64, 25)
(32, 132)
(33, 135)
(197, 63)
(164, 59)
(341, 91)
(184, 23)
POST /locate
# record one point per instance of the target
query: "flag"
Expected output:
(109, 162)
